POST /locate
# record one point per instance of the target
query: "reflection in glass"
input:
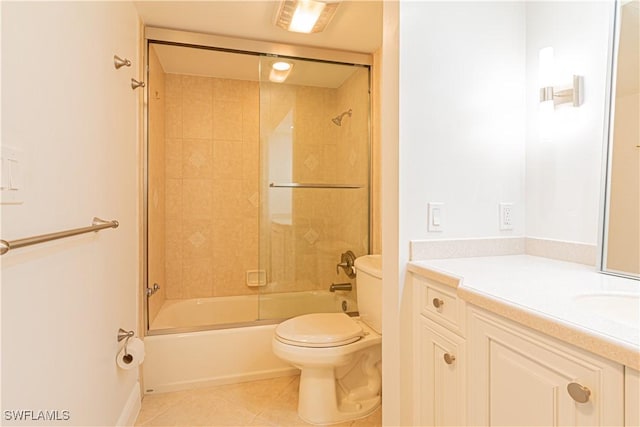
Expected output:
(315, 183)
(623, 225)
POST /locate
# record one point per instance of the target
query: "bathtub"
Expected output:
(202, 312)
(179, 361)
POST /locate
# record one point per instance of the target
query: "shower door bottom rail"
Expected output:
(313, 185)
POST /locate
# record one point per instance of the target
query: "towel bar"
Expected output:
(96, 225)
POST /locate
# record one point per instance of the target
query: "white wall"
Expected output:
(461, 142)
(462, 115)
(563, 164)
(468, 98)
(74, 117)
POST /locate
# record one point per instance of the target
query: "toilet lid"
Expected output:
(319, 330)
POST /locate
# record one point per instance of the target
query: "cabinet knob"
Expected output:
(449, 358)
(578, 392)
(437, 302)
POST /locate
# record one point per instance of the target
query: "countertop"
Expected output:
(545, 295)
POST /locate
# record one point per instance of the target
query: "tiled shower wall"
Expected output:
(324, 222)
(212, 184)
(211, 131)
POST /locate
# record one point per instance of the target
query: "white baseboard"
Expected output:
(131, 408)
(230, 379)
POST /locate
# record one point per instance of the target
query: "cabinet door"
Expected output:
(519, 378)
(440, 362)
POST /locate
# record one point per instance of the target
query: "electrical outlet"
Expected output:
(506, 216)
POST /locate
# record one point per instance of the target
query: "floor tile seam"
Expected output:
(162, 412)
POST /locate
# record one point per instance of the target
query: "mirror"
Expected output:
(621, 241)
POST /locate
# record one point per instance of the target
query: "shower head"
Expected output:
(338, 119)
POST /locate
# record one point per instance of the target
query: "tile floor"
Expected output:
(271, 402)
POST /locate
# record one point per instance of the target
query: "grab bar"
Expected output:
(311, 185)
(96, 225)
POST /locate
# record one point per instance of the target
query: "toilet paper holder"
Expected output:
(125, 335)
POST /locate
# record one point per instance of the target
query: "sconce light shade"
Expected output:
(305, 16)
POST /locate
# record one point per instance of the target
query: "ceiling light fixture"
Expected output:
(305, 16)
(280, 71)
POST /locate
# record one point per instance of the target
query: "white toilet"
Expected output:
(339, 356)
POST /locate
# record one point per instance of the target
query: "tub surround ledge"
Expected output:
(541, 294)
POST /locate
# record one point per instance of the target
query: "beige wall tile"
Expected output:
(197, 239)
(174, 192)
(197, 119)
(173, 86)
(197, 199)
(229, 89)
(227, 118)
(173, 158)
(173, 118)
(174, 278)
(227, 197)
(197, 276)
(197, 158)
(227, 159)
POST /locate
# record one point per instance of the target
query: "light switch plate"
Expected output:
(12, 171)
(435, 218)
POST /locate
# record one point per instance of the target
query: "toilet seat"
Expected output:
(319, 330)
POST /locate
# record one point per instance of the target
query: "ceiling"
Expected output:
(356, 26)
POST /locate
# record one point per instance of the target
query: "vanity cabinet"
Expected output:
(520, 377)
(439, 356)
(441, 377)
(631, 397)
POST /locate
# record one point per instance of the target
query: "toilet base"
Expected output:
(322, 399)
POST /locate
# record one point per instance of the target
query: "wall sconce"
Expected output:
(280, 71)
(573, 94)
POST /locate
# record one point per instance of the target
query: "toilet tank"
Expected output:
(369, 285)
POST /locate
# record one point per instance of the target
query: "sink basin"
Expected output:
(620, 308)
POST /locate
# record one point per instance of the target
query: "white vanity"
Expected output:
(515, 340)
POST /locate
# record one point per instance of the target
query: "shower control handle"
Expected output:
(346, 263)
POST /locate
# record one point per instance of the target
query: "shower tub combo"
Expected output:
(246, 173)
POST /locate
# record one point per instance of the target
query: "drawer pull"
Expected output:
(578, 392)
(449, 358)
(437, 303)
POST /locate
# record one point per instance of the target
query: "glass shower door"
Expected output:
(314, 181)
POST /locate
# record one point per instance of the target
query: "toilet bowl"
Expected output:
(339, 356)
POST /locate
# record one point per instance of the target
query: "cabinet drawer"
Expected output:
(440, 303)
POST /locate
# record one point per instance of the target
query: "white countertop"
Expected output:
(536, 291)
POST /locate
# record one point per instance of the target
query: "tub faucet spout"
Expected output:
(340, 287)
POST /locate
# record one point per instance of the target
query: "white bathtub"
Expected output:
(239, 309)
(179, 361)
